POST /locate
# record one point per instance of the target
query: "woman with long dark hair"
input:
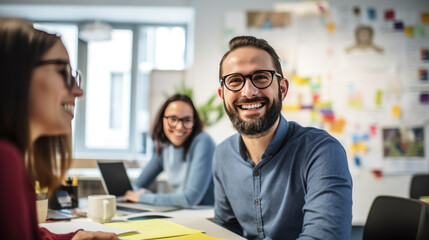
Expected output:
(37, 98)
(184, 152)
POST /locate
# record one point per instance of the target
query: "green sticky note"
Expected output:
(419, 31)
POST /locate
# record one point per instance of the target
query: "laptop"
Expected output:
(116, 182)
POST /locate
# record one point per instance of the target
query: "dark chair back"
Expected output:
(419, 186)
(396, 218)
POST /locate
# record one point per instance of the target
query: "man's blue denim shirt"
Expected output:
(301, 188)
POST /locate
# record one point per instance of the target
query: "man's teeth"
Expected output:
(253, 106)
(68, 108)
(179, 134)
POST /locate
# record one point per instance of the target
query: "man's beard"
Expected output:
(255, 126)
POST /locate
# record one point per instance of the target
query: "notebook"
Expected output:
(116, 182)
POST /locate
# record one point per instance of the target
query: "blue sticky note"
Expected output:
(372, 14)
(358, 162)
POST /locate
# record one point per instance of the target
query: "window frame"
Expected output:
(131, 153)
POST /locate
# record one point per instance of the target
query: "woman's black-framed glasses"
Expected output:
(187, 122)
(70, 76)
(261, 79)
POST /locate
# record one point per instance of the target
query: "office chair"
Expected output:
(419, 186)
(396, 218)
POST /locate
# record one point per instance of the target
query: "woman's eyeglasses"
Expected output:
(70, 76)
(172, 121)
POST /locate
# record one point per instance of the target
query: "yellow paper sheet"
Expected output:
(154, 228)
(196, 236)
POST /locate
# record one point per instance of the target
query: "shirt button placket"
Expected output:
(256, 202)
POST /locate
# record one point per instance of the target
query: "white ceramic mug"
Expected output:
(42, 210)
(101, 208)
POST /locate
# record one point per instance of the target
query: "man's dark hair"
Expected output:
(250, 41)
(158, 134)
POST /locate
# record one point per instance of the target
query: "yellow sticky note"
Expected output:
(338, 126)
(330, 27)
(362, 147)
(396, 111)
(300, 80)
(291, 107)
(409, 31)
(424, 17)
(353, 148)
(378, 98)
(314, 116)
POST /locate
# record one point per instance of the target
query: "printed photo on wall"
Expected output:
(268, 19)
(403, 142)
(363, 40)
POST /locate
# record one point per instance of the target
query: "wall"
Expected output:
(209, 45)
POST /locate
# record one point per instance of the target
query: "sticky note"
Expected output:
(423, 74)
(398, 25)
(355, 138)
(378, 98)
(356, 11)
(396, 111)
(419, 31)
(314, 116)
(424, 97)
(377, 173)
(389, 14)
(291, 107)
(372, 14)
(361, 147)
(306, 107)
(409, 31)
(355, 101)
(424, 17)
(424, 54)
(338, 126)
(316, 97)
(300, 80)
(353, 149)
(358, 162)
(330, 27)
(373, 130)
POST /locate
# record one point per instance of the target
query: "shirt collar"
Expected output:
(275, 145)
(278, 140)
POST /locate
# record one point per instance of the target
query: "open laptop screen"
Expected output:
(115, 177)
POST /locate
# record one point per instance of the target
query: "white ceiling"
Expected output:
(134, 14)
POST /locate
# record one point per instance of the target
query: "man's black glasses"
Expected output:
(188, 123)
(70, 76)
(261, 79)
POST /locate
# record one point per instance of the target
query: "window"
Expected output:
(112, 119)
(108, 92)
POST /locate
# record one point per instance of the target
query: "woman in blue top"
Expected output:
(184, 152)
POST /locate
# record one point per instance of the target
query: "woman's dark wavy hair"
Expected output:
(158, 134)
(21, 46)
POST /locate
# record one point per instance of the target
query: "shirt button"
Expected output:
(256, 173)
(271, 155)
(259, 229)
(256, 202)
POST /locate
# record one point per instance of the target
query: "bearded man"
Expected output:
(275, 179)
